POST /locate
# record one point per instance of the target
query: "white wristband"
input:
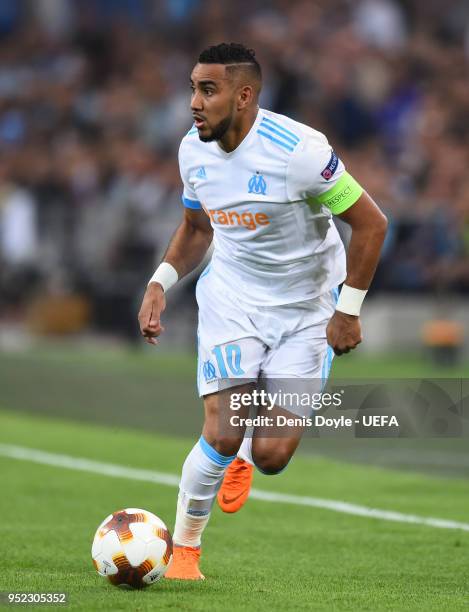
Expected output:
(166, 275)
(350, 300)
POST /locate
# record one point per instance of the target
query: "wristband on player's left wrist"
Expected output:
(350, 300)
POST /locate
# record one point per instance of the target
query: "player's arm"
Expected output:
(315, 174)
(369, 226)
(185, 252)
(190, 242)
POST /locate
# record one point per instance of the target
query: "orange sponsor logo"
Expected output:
(246, 219)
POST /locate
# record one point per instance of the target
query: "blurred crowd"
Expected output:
(94, 99)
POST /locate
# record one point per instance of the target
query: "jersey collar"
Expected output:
(245, 140)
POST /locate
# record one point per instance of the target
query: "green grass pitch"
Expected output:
(267, 557)
(140, 410)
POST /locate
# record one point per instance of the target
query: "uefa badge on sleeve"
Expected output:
(331, 167)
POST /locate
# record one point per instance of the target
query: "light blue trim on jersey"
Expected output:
(280, 127)
(275, 131)
(329, 356)
(198, 361)
(194, 204)
(193, 130)
(282, 143)
(326, 366)
(214, 455)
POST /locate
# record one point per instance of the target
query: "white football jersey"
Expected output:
(270, 203)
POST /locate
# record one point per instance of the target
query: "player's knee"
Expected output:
(225, 446)
(270, 463)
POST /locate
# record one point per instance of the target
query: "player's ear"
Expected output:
(245, 96)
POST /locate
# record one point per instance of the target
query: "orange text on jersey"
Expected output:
(246, 219)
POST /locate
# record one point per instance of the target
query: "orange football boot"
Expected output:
(236, 486)
(185, 564)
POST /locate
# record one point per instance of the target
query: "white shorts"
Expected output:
(239, 343)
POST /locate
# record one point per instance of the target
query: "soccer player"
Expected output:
(264, 187)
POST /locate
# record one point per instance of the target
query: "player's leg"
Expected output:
(274, 446)
(267, 448)
(202, 474)
(298, 367)
(228, 356)
(301, 358)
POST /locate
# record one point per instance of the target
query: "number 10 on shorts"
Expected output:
(230, 360)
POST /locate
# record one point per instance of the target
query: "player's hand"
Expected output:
(343, 332)
(153, 304)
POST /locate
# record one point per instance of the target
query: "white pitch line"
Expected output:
(120, 471)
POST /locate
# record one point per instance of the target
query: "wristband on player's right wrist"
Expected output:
(166, 275)
(350, 300)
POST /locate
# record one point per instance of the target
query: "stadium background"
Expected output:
(94, 99)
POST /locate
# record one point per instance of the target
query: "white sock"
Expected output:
(202, 475)
(245, 450)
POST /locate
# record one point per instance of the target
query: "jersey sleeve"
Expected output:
(316, 174)
(189, 197)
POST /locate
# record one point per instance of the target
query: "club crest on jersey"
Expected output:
(257, 184)
(209, 370)
(331, 167)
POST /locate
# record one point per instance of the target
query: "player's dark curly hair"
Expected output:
(232, 53)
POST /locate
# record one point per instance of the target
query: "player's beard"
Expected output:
(218, 131)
